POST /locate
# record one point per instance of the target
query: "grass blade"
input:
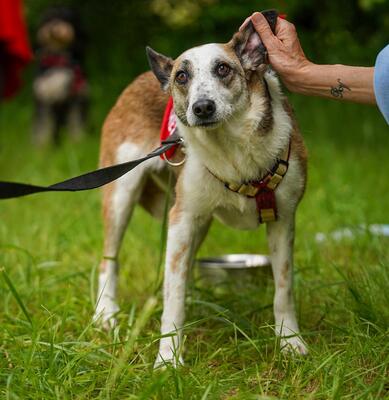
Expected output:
(16, 295)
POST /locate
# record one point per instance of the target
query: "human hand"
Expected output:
(341, 82)
(284, 50)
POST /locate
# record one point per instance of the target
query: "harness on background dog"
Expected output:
(64, 60)
(262, 190)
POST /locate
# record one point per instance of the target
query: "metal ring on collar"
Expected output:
(173, 164)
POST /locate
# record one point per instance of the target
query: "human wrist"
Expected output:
(300, 79)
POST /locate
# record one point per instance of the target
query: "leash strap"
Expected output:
(90, 180)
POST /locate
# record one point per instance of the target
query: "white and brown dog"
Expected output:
(236, 125)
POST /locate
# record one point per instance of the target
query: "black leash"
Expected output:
(90, 180)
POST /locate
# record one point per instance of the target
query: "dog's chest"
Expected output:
(206, 195)
(242, 214)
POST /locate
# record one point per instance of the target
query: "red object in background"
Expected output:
(282, 16)
(15, 51)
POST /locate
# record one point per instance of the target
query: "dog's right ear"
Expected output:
(248, 46)
(161, 66)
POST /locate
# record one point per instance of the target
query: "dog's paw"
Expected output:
(294, 345)
(105, 313)
(163, 360)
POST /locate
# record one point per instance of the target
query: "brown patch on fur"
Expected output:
(184, 273)
(107, 199)
(175, 212)
(136, 118)
(229, 50)
(177, 256)
(103, 266)
(180, 91)
(284, 275)
(273, 247)
(285, 270)
(298, 148)
(257, 86)
(267, 120)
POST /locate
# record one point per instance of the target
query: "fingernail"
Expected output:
(256, 18)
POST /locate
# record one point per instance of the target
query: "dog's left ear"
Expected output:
(161, 66)
(248, 45)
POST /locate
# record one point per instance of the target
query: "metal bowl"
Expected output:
(235, 261)
(233, 267)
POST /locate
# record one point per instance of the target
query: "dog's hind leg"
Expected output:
(119, 199)
(281, 241)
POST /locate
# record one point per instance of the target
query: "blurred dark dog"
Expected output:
(60, 87)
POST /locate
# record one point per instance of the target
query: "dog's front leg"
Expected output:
(281, 241)
(183, 228)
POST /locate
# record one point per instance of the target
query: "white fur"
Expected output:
(54, 85)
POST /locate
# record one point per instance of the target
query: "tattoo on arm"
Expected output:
(337, 91)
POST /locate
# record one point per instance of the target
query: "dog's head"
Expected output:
(210, 83)
(60, 30)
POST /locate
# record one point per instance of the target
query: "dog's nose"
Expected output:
(204, 108)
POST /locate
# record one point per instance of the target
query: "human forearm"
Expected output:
(302, 76)
(341, 82)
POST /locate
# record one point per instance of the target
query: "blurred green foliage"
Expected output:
(331, 31)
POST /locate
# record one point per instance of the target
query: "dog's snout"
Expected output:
(204, 108)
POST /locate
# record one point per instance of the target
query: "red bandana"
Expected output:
(169, 124)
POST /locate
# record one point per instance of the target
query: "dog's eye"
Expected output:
(223, 70)
(181, 77)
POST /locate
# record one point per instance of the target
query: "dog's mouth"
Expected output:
(209, 124)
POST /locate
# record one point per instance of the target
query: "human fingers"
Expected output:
(285, 29)
(246, 21)
(263, 28)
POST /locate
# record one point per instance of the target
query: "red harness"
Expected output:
(262, 190)
(61, 60)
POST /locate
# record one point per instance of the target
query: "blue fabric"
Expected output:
(381, 82)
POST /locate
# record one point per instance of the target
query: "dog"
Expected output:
(235, 123)
(60, 87)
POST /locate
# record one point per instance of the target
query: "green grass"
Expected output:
(50, 246)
